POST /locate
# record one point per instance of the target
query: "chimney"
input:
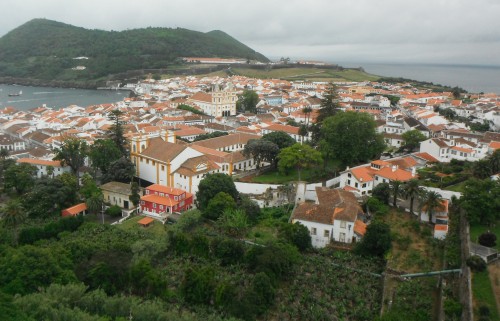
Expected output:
(394, 167)
(413, 171)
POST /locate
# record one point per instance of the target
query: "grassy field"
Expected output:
(156, 228)
(275, 177)
(312, 74)
(413, 247)
(483, 294)
(309, 74)
(477, 229)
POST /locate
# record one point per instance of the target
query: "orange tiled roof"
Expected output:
(145, 221)
(165, 189)
(162, 200)
(359, 227)
(35, 161)
(74, 210)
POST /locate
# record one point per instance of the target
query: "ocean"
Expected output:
(33, 97)
(473, 78)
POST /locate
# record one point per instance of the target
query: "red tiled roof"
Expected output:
(74, 210)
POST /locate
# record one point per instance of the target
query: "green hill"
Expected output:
(45, 50)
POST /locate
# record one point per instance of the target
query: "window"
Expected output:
(348, 182)
(349, 175)
(142, 202)
(175, 198)
(327, 233)
(364, 185)
(313, 231)
(356, 185)
(342, 224)
(161, 207)
(154, 205)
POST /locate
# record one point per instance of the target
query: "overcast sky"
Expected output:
(430, 31)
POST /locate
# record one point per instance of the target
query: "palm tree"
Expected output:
(307, 112)
(94, 202)
(411, 189)
(395, 190)
(13, 214)
(431, 201)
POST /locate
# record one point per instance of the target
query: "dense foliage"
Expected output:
(351, 138)
(45, 49)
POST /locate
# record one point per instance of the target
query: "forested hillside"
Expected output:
(44, 49)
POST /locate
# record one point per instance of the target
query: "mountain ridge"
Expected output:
(44, 50)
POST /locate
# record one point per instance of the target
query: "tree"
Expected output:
(481, 169)
(248, 101)
(377, 239)
(396, 190)
(211, 185)
(494, 160)
(412, 139)
(122, 170)
(297, 234)
(303, 131)
(261, 151)
(27, 268)
(382, 192)
(94, 202)
(218, 204)
(299, 157)
(411, 189)
(456, 91)
(432, 201)
(307, 112)
(116, 131)
(280, 138)
(481, 201)
(233, 222)
(13, 213)
(488, 239)
(49, 196)
(351, 138)
(20, 177)
(329, 104)
(102, 153)
(72, 153)
(89, 186)
(135, 197)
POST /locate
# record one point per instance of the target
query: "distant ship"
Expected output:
(15, 95)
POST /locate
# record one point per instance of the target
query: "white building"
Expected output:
(219, 103)
(334, 217)
(46, 167)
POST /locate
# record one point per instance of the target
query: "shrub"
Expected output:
(484, 311)
(229, 251)
(488, 239)
(476, 263)
(114, 211)
(452, 308)
(297, 234)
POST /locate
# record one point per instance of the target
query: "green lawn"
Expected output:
(156, 227)
(477, 229)
(483, 294)
(460, 187)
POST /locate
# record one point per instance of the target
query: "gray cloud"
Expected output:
(453, 31)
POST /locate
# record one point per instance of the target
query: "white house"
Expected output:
(362, 179)
(45, 167)
(334, 217)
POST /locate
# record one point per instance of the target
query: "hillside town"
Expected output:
(162, 136)
(180, 134)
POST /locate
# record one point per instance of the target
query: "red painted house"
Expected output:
(159, 199)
